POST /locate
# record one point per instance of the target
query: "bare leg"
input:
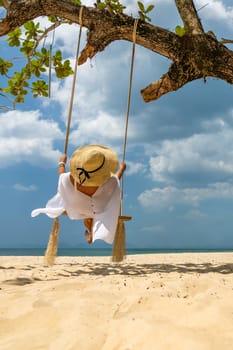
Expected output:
(88, 233)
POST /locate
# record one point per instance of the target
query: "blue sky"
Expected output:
(178, 186)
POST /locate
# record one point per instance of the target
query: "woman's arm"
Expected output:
(120, 172)
(62, 164)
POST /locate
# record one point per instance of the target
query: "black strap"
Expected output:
(85, 173)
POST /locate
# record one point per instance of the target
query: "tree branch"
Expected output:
(188, 13)
(154, 38)
(113, 27)
(195, 55)
(226, 41)
(200, 56)
(6, 4)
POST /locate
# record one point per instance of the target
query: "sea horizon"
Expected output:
(105, 251)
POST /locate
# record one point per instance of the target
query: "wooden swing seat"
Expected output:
(125, 217)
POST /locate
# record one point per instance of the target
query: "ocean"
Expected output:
(100, 251)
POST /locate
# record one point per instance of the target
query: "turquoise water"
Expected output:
(99, 251)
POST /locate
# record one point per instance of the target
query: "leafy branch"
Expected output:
(112, 6)
(144, 11)
(38, 61)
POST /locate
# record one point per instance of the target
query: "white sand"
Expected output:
(167, 301)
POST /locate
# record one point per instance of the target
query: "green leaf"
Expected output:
(29, 25)
(43, 56)
(141, 6)
(142, 11)
(52, 19)
(35, 68)
(57, 58)
(14, 37)
(27, 47)
(4, 66)
(77, 2)
(63, 70)
(114, 5)
(17, 85)
(149, 8)
(101, 5)
(32, 30)
(40, 88)
(180, 31)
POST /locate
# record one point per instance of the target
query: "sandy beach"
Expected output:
(164, 301)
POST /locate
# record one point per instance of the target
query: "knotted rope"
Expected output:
(118, 250)
(52, 246)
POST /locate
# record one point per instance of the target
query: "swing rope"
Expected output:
(73, 82)
(130, 87)
(118, 249)
(128, 104)
(50, 62)
(52, 246)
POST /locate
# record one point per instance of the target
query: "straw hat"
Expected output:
(93, 165)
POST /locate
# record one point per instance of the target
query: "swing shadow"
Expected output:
(67, 270)
(107, 269)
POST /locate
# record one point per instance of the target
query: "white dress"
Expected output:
(103, 206)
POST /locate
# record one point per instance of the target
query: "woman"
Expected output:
(90, 191)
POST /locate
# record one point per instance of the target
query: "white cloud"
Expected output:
(60, 93)
(135, 168)
(198, 154)
(102, 129)
(215, 9)
(96, 116)
(89, 94)
(169, 196)
(29, 188)
(26, 137)
(97, 83)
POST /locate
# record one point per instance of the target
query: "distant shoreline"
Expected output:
(103, 251)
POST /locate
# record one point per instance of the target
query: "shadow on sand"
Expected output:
(110, 269)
